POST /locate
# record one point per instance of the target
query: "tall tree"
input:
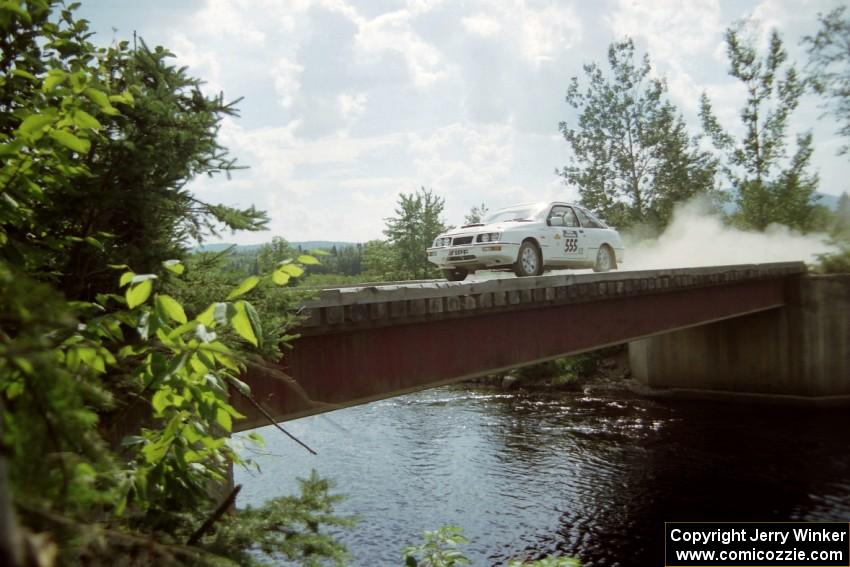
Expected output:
(829, 67)
(632, 156)
(154, 132)
(842, 218)
(771, 187)
(72, 372)
(272, 253)
(414, 228)
(476, 214)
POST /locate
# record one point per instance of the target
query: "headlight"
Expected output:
(442, 241)
(489, 237)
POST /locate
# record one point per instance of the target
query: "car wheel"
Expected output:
(455, 274)
(528, 262)
(605, 260)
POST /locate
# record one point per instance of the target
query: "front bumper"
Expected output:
(474, 256)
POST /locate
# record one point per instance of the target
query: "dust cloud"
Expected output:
(696, 237)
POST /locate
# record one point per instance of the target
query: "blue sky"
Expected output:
(348, 103)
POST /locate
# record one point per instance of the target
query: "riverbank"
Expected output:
(605, 369)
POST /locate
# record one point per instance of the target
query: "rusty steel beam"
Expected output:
(353, 365)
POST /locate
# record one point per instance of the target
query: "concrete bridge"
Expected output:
(362, 344)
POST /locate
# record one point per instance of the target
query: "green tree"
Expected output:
(414, 228)
(770, 186)
(842, 217)
(77, 377)
(273, 253)
(380, 261)
(829, 67)
(154, 132)
(632, 156)
(476, 214)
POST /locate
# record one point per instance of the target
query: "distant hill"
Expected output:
(312, 244)
(829, 201)
(249, 248)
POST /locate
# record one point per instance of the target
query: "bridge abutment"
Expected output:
(800, 351)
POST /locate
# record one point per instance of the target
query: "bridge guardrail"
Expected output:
(393, 304)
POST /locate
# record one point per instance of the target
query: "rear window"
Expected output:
(588, 220)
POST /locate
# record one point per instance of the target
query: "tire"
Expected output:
(455, 274)
(528, 260)
(605, 259)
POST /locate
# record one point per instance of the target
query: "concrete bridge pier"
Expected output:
(797, 352)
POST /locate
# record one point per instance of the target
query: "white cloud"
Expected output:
(547, 31)
(672, 30)
(392, 32)
(482, 24)
(540, 34)
(228, 18)
(351, 106)
(202, 62)
(287, 83)
(678, 38)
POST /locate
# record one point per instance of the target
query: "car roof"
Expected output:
(539, 203)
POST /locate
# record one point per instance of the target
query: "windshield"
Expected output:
(519, 213)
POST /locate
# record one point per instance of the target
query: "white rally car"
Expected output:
(527, 239)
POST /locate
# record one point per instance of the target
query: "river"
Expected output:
(592, 475)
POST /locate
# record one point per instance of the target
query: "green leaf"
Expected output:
(14, 390)
(138, 293)
(171, 307)
(24, 74)
(126, 278)
(174, 266)
(292, 270)
(247, 285)
(85, 120)
(223, 419)
(256, 324)
(100, 99)
(34, 123)
(94, 242)
(243, 388)
(16, 7)
(54, 78)
(71, 141)
(280, 277)
(308, 260)
(125, 97)
(160, 400)
(241, 323)
(207, 318)
(23, 364)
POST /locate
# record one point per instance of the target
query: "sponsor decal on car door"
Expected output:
(568, 239)
(574, 237)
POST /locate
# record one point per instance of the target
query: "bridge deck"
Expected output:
(367, 343)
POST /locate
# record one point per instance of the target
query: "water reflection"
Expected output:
(588, 475)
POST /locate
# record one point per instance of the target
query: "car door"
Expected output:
(593, 232)
(568, 239)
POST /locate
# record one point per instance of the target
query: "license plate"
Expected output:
(459, 252)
